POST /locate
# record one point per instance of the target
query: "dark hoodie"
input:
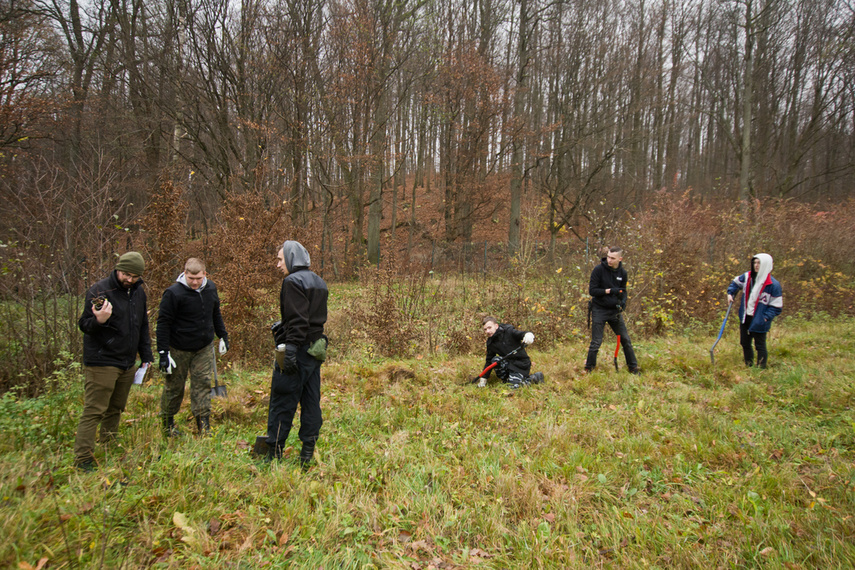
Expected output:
(604, 277)
(188, 318)
(302, 300)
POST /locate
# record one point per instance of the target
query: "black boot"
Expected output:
(536, 378)
(306, 453)
(273, 453)
(203, 424)
(169, 429)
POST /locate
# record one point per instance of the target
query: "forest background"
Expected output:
(428, 150)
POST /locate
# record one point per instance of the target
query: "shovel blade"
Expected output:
(219, 392)
(260, 447)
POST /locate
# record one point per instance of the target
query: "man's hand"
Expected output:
(729, 299)
(224, 345)
(166, 363)
(290, 360)
(103, 314)
(528, 338)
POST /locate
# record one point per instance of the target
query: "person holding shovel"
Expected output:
(188, 319)
(506, 348)
(760, 302)
(114, 324)
(608, 287)
(300, 350)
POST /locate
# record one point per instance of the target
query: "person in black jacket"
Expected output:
(115, 328)
(608, 287)
(188, 318)
(301, 348)
(506, 346)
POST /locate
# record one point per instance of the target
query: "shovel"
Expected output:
(617, 350)
(720, 332)
(219, 390)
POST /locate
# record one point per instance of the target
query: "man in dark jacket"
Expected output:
(189, 317)
(506, 347)
(115, 327)
(608, 300)
(301, 347)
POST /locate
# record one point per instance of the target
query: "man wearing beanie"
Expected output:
(115, 329)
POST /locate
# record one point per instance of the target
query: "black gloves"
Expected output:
(166, 363)
(290, 360)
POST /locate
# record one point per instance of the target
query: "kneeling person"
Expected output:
(506, 345)
(188, 319)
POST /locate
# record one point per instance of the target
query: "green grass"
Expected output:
(685, 466)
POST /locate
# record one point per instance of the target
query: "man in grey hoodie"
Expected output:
(297, 371)
(187, 321)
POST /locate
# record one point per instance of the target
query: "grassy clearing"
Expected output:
(685, 466)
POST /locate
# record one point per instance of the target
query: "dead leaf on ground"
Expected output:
(214, 526)
(27, 566)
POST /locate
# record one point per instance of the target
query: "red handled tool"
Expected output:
(486, 372)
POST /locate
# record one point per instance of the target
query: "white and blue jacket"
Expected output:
(768, 305)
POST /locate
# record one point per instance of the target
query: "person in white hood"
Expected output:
(761, 301)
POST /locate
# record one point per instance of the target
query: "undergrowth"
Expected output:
(687, 465)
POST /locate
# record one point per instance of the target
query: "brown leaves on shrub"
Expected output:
(244, 258)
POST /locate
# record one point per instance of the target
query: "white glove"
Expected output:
(482, 382)
(223, 348)
(172, 364)
(528, 338)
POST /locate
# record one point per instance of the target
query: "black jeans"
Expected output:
(599, 318)
(745, 339)
(286, 391)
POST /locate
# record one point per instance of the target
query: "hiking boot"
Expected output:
(203, 424)
(169, 428)
(536, 378)
(274, 453)
(587, 371)
(87, 465)
(635, 370)
(306, 453)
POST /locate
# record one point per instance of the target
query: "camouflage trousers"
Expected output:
(200, 365)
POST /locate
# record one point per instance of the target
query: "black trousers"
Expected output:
(509, 373)
(286, 391)
(759, 339)
(599, 319)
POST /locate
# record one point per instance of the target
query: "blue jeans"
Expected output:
(614, 318)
